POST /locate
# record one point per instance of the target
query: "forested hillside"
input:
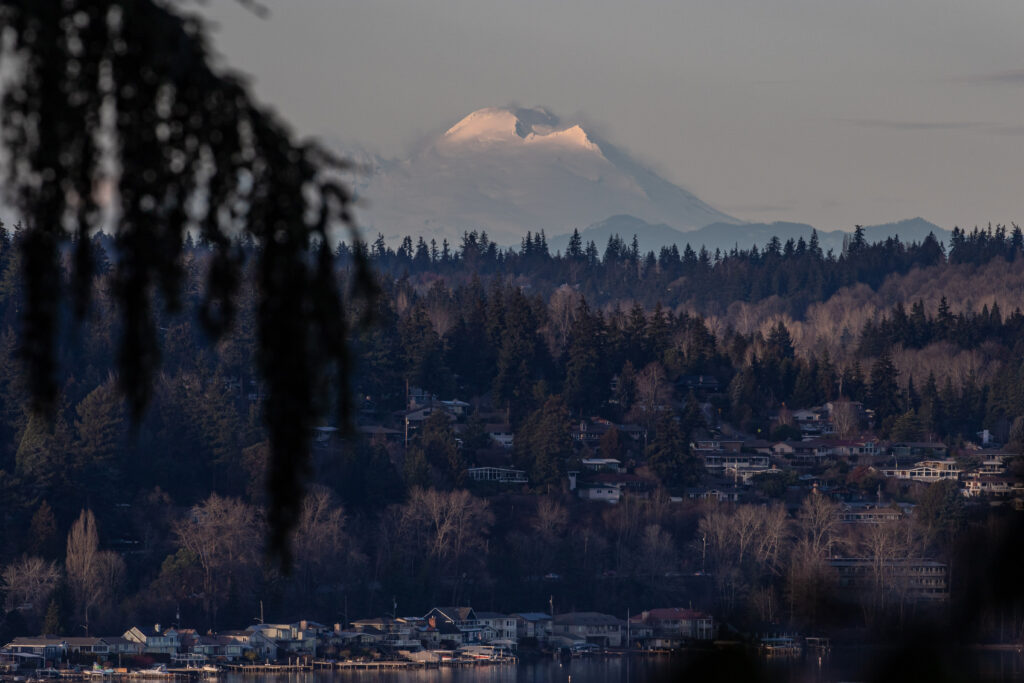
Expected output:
(929, 338)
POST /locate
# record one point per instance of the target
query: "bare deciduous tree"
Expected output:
(222, 534)
(561, 315)
(844, 418)
(93, 575)
(652, 393)
(28, 583)
(451, 527)
(657, 552)
(322, 548)
(819, 523)
(772, 537)
(551, 519)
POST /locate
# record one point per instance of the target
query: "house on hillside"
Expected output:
(701, 385)
(500, 475)
(917, 579)
(992, 485)
(717, 494)
(501, 433)
(926, 470)
(872, 513)
(919, 449)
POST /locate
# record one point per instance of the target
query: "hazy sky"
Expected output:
(831, 112)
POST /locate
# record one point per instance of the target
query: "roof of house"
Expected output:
(491, 615)
(447, 627)
(44, 641)
(117, 640)
(454, 613)
(587, 619)
(532, 616)
(672, 614)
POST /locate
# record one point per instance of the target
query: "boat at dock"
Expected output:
(158, 671)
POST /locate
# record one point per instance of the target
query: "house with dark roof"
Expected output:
(599, 629)
(671, 626)
(533, 625)
(464, 619)
(56, 648)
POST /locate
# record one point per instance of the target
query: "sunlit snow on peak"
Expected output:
(522, 126)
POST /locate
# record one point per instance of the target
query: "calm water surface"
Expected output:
(989, 666)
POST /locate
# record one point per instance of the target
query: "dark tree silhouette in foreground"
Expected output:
(113, 112)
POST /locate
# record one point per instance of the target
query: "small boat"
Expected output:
(158, 671)
(98, 671)
(781, 646)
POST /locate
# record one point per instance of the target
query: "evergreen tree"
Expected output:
(575, 248)
(669, 455)
(543, 444)
(517, 357)
(43, 540)
(101, 438)
(883, 391)
(586, 382)
(438, 443)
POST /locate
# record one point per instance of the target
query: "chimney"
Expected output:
(156, 627)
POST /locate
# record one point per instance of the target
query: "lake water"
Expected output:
(848, 666)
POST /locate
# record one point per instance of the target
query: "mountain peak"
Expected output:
(534, 126)
(507, 170)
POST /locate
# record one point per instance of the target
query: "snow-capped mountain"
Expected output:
(508, 171)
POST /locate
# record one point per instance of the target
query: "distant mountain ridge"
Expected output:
(725, 236)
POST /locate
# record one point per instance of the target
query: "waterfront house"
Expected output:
(154, 641)
(503, 627)
(533, 625)
(463, 618)
(398, 634)
(298, 639)
(603, 630)
(57, 648)
(671, 626)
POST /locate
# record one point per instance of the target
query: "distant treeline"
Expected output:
(796, 269)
